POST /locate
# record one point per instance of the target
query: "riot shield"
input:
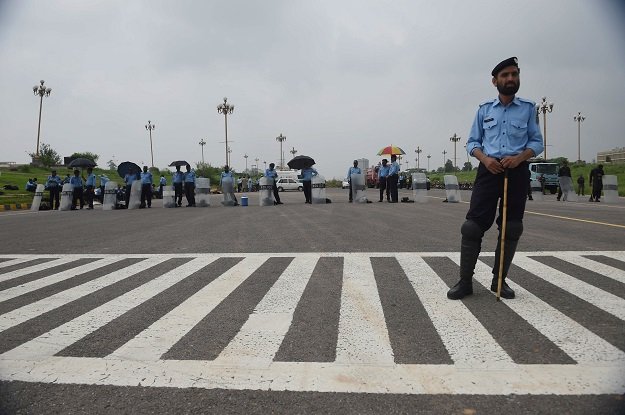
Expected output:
(318, 190)
(568, 191)
(359, 188)
(66, 197)
(537, 190)
(452, 190)
(419, 187)
(110, 195)
(610, 189)
(227, 187)
(37, 197)
(265, 191)
(135, 195)
(169, 197)
(202, 191)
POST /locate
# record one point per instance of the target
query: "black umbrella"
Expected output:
(127, 167)
(179, 163)
(82, 162)
(301, 162)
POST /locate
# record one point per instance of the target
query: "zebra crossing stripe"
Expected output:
(27, 312)
(575, 340)
(599, 298)
(15, 261)
(596, 266)
(38, 267)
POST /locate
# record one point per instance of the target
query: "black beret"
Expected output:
(513, 61)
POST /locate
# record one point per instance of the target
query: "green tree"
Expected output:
(112, 165)
(467, 166)
(449, 166)
(47, 155)
(86, 155)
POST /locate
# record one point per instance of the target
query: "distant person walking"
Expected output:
(146, 188)
(270, 173)
(393, 177)
(382, 178)
(178, 181)
(564, 171)
(189, 186)
(54, 184)
(596, 183)
(307, 175)
(352, 170)
(580, 185)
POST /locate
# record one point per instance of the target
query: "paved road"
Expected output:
(300, 308)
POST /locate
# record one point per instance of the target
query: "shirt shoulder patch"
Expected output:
(527, 101)
(490, 101)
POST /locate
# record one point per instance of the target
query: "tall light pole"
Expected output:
(245, 157)
(444, 153)
(418, 151)
(149, 126)
(293, 151)
(42, 91)
(455, 139)
(202, 143)
(429, 155)
(256, 160)
(281, 138)
(544, 107)
(226, 109)
(579, 119)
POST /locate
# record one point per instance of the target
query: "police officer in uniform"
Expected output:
(77, 194)
(178, 180)
(352, 170)
(162, 183)
(503, 137)
(54, 184)
(382, 176)
(146, 188)
(272, 174)
(189, 186)
(90, 187)
(130, 177)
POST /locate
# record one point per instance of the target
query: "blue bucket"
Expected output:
(243, 200)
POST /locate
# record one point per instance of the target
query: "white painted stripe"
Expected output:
(612, 254)
(599, 298)
(261, 336)
(45, 305)
(595, 266)
(572, 338)
(469, 344)
(363, 336)
(16, 261)
(157, 339)
(566, 380)
(38, 267)
(59, 338)
(54, 278)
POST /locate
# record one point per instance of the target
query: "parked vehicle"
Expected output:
(549, 171)
(289, 184)
(345, 184)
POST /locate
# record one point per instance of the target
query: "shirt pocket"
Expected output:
(490, 129)
(518, 129)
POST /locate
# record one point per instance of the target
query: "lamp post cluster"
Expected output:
(455, 138)
(42, 91)
(418, 151)
(226, 109)
(281, 138)
(544, 107)
(149, 126)
(579, 118)
(202, 143)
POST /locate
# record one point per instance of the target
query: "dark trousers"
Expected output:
(77, 195)
(146, 194)
(596, 191)
(127, 195)
(580, 190)
(54, 197)
(178, 193)
(189, 192)
(89, 195)
(383, 189)
(488, 195)
(391, 183)
(308, 190)
(276, 194)
(160, 190)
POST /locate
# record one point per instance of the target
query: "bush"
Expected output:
(25, 168)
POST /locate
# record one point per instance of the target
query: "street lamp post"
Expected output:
(455, 139)
(281, 138)
(256, 160)
(202, 143)
(42, 92)
(226, 109)
(544, 107)
(429, 155)
(150, 127)
(418, 151)
(293, 151)
(579, 119)
(245, 157)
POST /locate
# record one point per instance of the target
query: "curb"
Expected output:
(16, 206)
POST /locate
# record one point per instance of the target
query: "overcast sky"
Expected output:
(340, 79)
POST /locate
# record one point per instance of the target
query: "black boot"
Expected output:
(509, 250)
(469, 251)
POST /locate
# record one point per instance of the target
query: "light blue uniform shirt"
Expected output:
(75, 181)
(90, 180)
(383, 171)
(189, 176)
(163, 181)
(353, 170)
(178, 177)
(146, 177)
(308, 173)
(129, 178)
(393, 169)
(54, 181)
(501, 131)
(225, 174)
(272, 174)
(103, 180)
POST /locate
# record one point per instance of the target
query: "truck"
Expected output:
(549, 171)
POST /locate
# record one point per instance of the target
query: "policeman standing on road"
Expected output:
(224, 174)
(503, 137)
(307, 175)
(382, 177)
(54, 184)
(189, 186)
(393, 176)
(103, 181)
(178, 180)
(596, 183)
(90, 183)
(161, 183)
(270, 173)
(352, 170)
(564, 171)
(146, 188)
(77, 193)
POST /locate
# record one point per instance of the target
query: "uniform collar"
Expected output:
(515, 101)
